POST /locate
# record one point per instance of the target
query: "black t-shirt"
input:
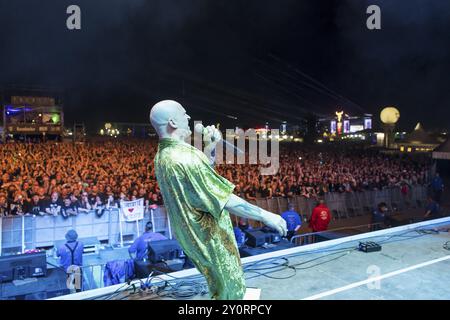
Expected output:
(158, 202)
(265, 193)
(17, 208)
(251, 192)
(4, 210)
(91, 198)
(35, 208)
(54, 206)
(66, 211)
(76, 204)
(293, 188)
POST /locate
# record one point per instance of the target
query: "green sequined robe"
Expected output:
(195, 196)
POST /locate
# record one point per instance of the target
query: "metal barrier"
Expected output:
(19, 233)
(349, 205)
(93, 276)
(313, 237)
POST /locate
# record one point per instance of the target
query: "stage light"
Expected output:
(56, 118)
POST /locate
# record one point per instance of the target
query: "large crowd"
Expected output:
(67, 179)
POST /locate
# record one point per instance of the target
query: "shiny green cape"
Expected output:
(195, 196)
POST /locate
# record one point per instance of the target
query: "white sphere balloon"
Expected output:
(389, 115)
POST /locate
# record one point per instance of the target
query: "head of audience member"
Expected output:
(54, 196)
(67, 201)
(291, 206)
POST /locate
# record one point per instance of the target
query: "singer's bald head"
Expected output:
(169, 117)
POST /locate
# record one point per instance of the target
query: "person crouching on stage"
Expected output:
(139, 245)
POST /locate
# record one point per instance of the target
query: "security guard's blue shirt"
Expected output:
(139, 245)
(70, 253)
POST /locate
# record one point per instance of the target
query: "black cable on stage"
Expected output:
(348, 250)
(446, 245)
(119, 290)
(189, 287)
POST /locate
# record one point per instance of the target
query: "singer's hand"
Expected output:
(276, 222)
(212, 137)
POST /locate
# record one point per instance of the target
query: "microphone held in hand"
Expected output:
(200, 128)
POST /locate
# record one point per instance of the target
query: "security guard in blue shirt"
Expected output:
(139, 245)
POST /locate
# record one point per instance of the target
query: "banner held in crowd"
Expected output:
(132, 210)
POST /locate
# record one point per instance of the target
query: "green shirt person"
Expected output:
(198, 201)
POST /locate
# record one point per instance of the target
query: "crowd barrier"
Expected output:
(19, 233)
(313, 237)
(348, 205)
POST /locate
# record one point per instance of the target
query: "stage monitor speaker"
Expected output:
(256, 238)
(164, 250)
(22, 266)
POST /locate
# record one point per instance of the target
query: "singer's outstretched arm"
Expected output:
(242, 208)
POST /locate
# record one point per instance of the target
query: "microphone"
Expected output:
(200, 128)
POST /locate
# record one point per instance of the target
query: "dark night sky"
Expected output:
(240, 58)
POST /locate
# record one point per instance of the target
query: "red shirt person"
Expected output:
(320, 217)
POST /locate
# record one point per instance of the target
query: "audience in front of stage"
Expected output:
(97, 175)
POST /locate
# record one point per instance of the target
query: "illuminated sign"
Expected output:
(52, 118)
(367, 123)
(283, 127)
(356, 127)
(339, 121)
(346, 126)
(333, 126)
(17, 129)
(34, 101)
